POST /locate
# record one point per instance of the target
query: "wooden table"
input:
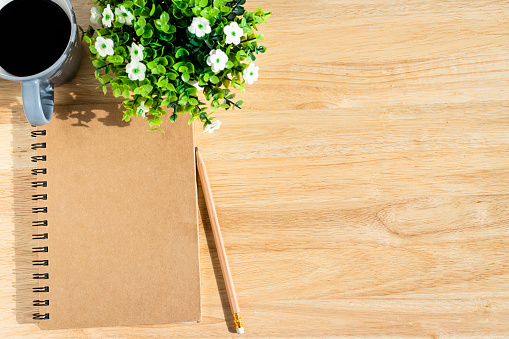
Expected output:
(363, 190)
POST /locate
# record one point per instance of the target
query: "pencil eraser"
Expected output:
(240, 330)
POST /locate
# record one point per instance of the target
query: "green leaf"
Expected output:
(196, 11)
(172, 75)
(165, 17)
(155, 121)
(229, 64)
(145, 41)
(148, 52)
(149, 31)
(166, 36)
(140, 31)
(214, 79)
(153, 10)
(106, 78)
(190, 67)
(172, 29)
(185, 77)
(119, 50)
(142, 22)
(162, 82)
(226, 10)
(155, 129)
(161, 69)
(145, 90)
(173, 117)
(125, 92)
(115, 59)
(193, 101)
(117, 92)
(204, 3)
(98, 63)
(214, 12)
(181, 52)
(178, 65)
(162, 61)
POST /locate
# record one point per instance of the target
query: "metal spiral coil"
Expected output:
(39, 145)
(41, 302)
(40, 223)
(37, 158)
(39, 316)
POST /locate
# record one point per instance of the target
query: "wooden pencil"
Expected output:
(218, 239)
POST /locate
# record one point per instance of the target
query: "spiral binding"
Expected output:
(40, 223)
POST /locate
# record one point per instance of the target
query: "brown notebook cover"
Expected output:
(122, 221)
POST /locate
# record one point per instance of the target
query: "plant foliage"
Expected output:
(175, 59)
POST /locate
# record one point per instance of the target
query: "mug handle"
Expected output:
(38, 100)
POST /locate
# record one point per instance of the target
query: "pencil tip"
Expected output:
(196, 149)
(240, 330)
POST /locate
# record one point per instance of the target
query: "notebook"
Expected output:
(115, 214)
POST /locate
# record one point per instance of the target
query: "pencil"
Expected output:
(218, 239)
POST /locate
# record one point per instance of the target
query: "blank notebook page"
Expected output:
(122, 221)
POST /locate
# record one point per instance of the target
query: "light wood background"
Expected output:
(363, 191)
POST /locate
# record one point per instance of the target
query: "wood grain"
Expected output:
(363, 190)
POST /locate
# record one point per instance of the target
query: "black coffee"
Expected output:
(33, 35)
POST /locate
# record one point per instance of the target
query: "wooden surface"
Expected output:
(363, 190)
(218, 241)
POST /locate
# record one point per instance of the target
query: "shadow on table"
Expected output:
(228, 316)
(23, 217)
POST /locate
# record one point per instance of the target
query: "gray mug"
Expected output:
(37, 89)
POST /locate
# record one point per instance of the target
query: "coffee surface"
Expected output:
(33, 35)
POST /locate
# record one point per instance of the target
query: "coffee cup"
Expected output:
(41, 49)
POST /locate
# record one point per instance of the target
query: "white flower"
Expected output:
(104, 46)
(95, 18)
(199, 27)
(137, 52)
(142, 109)
(251, 73)
(136, 70)
(212, 127)
(124, 16)
(195, 84)
(233, 33)
(108, 16)
(217, 60)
